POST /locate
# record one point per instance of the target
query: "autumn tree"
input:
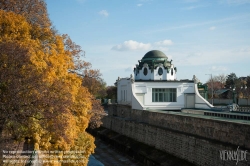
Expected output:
(91, 79)
(39, 97)
(217, 82)
(111, 92)
(97, 114)
(35, 11)
(221, 79)
(248, 81)
(242, 87)
(248, 87)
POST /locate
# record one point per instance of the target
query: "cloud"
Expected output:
(245, 50)
(131, 45)
(235, 2)
(194, 54)
(164, 43)
(212, 22)
(212, 28)
(134, 45)
(193, 7)
(139, 5)
(213, 58)
(104, 13)
(190, 1)
(218, 68)
(129, 69)
(81, 1)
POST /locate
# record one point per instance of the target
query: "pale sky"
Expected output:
(200, 36)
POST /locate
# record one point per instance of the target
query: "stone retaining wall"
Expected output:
(195, 139)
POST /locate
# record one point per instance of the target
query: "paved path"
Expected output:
(110, 157)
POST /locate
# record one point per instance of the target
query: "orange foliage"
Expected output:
(39, 97)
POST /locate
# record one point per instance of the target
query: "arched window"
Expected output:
(145, 71)
(160, 71)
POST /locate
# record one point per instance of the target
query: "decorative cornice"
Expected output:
(160, 65)
(145, 65)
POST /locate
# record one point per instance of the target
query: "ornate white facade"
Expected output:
(155, 66)
(154, 86)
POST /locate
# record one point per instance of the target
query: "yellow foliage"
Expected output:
(240, 95)
(49, 103)
(14, 27)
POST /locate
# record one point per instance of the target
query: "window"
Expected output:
(145, 71)
(163, 94)
(160, 71)
(124, 96)
(121, 96)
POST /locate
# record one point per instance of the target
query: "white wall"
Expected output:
(170, 76)
(139, 95)
(145, 77)
(124, 91)
(154, 75)
(148, 104)
(200, 102)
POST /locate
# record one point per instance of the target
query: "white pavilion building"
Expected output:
(154, 86)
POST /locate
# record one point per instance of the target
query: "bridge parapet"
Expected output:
(197, 138)
(216, 128)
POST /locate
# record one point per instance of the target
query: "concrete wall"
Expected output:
(195, 139)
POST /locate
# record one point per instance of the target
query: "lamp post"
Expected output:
(233, 90)
(212, 86)
(243, 89)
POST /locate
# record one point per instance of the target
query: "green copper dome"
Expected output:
(154, 54)
(152, 59)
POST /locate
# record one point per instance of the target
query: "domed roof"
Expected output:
(154, 54)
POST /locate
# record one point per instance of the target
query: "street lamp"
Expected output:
(212, 88)
(243, 88)
(233, 89)
(235, 95)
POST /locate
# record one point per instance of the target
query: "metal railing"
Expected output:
(244, 109)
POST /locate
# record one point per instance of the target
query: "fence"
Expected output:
(244, 109)
(240, 102)
(244, 102)
(221, 101)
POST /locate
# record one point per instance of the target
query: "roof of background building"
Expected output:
(220, 91)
